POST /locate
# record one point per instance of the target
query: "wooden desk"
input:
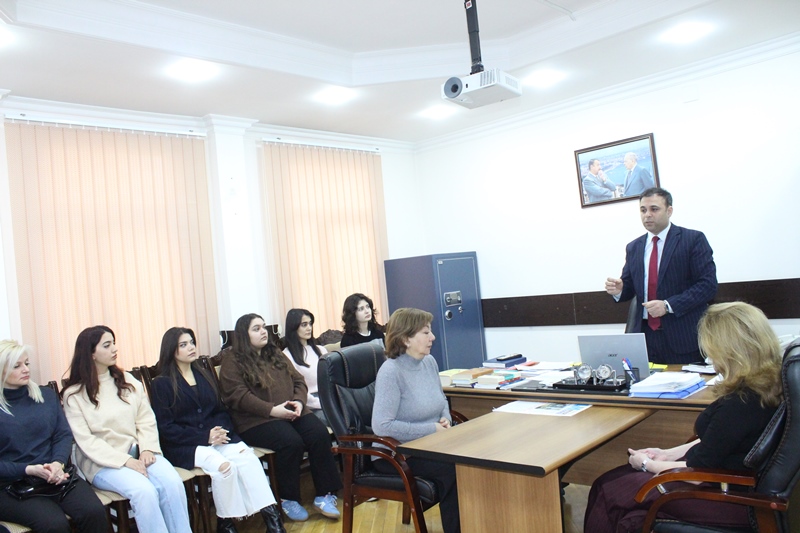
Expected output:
(507, 464)
(671, 423)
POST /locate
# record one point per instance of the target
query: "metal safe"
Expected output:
(445, 285)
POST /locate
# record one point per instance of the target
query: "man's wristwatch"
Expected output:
(644, 465)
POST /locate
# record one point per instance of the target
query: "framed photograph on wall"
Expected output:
(616, 171)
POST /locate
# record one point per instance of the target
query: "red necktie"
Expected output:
(652, 283)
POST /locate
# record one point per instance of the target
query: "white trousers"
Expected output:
(240, 490)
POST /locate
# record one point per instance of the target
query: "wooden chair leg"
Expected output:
(273, 479)
(195, 518)
(206, 514)
(406, 513)
(123, 522)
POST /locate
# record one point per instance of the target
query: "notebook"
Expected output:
(611, 349)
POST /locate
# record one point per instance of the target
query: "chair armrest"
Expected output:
(457, 417)
(699, 475)
(391, 455)
(763, 504)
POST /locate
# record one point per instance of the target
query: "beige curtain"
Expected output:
(326, 217)
(110, 227)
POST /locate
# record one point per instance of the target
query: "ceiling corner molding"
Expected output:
(136, 23)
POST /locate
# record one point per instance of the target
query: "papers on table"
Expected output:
(674, 385)
(700, 369)
(541, 408)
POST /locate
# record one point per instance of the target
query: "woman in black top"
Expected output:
(36, 441)
(196, 430)
(359, 321)
(745, 351)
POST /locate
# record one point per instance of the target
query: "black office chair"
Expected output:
(346, 380)
(775, 460)
(634, 315)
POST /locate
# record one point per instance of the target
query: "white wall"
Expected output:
(726, 147)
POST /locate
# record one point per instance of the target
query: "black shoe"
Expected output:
(225, 525)
(272, 518)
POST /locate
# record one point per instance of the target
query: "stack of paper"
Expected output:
(667, 385)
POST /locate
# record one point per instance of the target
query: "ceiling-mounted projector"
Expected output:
(481, 87)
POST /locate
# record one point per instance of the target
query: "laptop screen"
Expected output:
(611, 349)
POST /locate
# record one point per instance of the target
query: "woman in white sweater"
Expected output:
(116, 436)
(304, 353)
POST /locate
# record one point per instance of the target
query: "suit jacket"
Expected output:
(687, 277)
(597, 189)
(639, 181)
(186, 425)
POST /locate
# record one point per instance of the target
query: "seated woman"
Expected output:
(36, 441)
(359, 321)
(409, 403)
(115, 430)
(745, 351)
(266, 397)
(196, 430)
(304, 353)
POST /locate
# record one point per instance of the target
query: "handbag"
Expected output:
(30, 486)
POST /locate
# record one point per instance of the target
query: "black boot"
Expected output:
(272, 517)
(225, 525)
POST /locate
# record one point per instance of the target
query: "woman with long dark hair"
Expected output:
(36, 442)
(196, 430)
(267, 401)
(360, 325)
(116, 435)
(304, 353)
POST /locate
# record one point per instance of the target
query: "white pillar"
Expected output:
(236, 217)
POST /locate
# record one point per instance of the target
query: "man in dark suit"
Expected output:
(684, 281)
(637, 179)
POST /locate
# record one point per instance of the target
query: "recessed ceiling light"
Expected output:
(335, 95)
(544, 78)
(192, 70)
(438, 112)
(6, 37)
(686, 32)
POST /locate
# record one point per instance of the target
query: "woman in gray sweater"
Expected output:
(409, 403)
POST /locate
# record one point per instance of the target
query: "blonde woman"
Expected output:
(36, 441)
(740, 342)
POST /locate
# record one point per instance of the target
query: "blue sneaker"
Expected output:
(294, 510)
(327, 505)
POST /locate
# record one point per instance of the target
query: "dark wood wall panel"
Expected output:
(778, 298)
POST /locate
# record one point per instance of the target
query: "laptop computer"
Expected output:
(597, 350)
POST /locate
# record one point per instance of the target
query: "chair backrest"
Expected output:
(146, 375)
(634, 316)
(781, 471)
(346, 380)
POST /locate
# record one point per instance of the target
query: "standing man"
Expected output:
(671, 269)
(597, 186)
(637, 179)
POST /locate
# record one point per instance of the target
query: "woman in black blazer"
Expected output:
(195, 430)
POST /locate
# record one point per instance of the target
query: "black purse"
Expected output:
(30, 486)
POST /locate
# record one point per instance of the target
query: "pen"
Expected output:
(626, 364)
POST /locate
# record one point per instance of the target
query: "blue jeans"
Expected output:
(158, 501)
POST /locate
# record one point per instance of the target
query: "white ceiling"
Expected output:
(274, 55)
